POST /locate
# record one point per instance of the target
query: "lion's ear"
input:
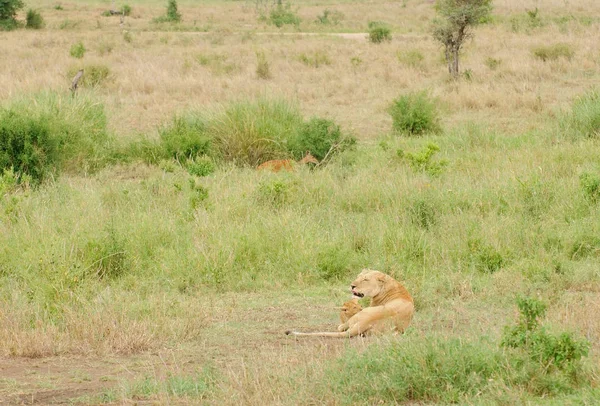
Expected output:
(382, 278)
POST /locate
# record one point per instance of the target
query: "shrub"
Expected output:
(412, 58)
(93, 75)
(321, 137)
(172, 16)
(58, 7)
(590, 184)
(330, 17)
(414, 114)
(77, 50)
(26, 146)
(319, 58)
(126, 10)
(262, 66)
(423, 161)
(485, 257)
(185, 138)
(34, 20)
(283, 15)
(379, 32)
(559, 351)
(200, 166)
(584, 118)
(8, 14)
(554, 52)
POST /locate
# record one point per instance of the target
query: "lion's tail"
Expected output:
(322, 334)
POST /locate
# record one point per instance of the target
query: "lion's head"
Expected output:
(369, 283)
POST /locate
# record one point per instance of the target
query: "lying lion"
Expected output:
(391, 307)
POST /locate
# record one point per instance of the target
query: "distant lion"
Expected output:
(391, 307)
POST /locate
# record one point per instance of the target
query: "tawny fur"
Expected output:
(349, 309)
(391, 307)
(277, 165)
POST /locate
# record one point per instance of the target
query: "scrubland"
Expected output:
(151, 257)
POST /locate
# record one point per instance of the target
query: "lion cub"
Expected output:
(349, 309)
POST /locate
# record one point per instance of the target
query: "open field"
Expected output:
(128, 277)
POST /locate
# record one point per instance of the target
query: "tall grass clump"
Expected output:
(77, 50)
(554, 52)
(251, 132)
(414, 114)
(583, 121)
(8, 14)
(52, 132)
(379, 32)
(34, 20)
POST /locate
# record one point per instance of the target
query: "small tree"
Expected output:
(8, 12)
(172, 13)
(458, 17)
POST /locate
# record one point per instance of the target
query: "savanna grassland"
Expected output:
(144, 259)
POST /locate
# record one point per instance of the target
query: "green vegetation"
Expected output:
(77, 50)
(423, 161)
(282, 14)
(583, 121)
(414, 114)
(34, 20)
(172, 16)
(321, 137)
(126, 10)
(554, 52)
(379, 32)
(8, 14)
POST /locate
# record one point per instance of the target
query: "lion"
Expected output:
(349, 309)
(391, 307)
(277, 165)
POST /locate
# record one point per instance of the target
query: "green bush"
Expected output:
(8, 14)
(283, 15)
(584, 118)
(423, 161)
(485, 257)
(554, 52)
(200, 166)
(185, 138)
(93, 75)
(321, 137)
(379, 32)
(126, 10)
(172, 15)
(590, 184)
(77, 50)
(27, 146)
(414, 114)
(34, 20)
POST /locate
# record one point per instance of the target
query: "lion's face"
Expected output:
(368, 283)
(351, 307)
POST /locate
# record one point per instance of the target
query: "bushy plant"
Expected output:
(414, 114)
(172, 15)
(423, 161)
(283, 15)
(8, 13)
(200, 166)
(263, 71)
(34, 20)
(559, 351)
(185, 138)
(77, 50)
(554, 52)
(321, 137)
(126, 10)
(590, 184)
(485, 257)
(27, 145)
(379, 32)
